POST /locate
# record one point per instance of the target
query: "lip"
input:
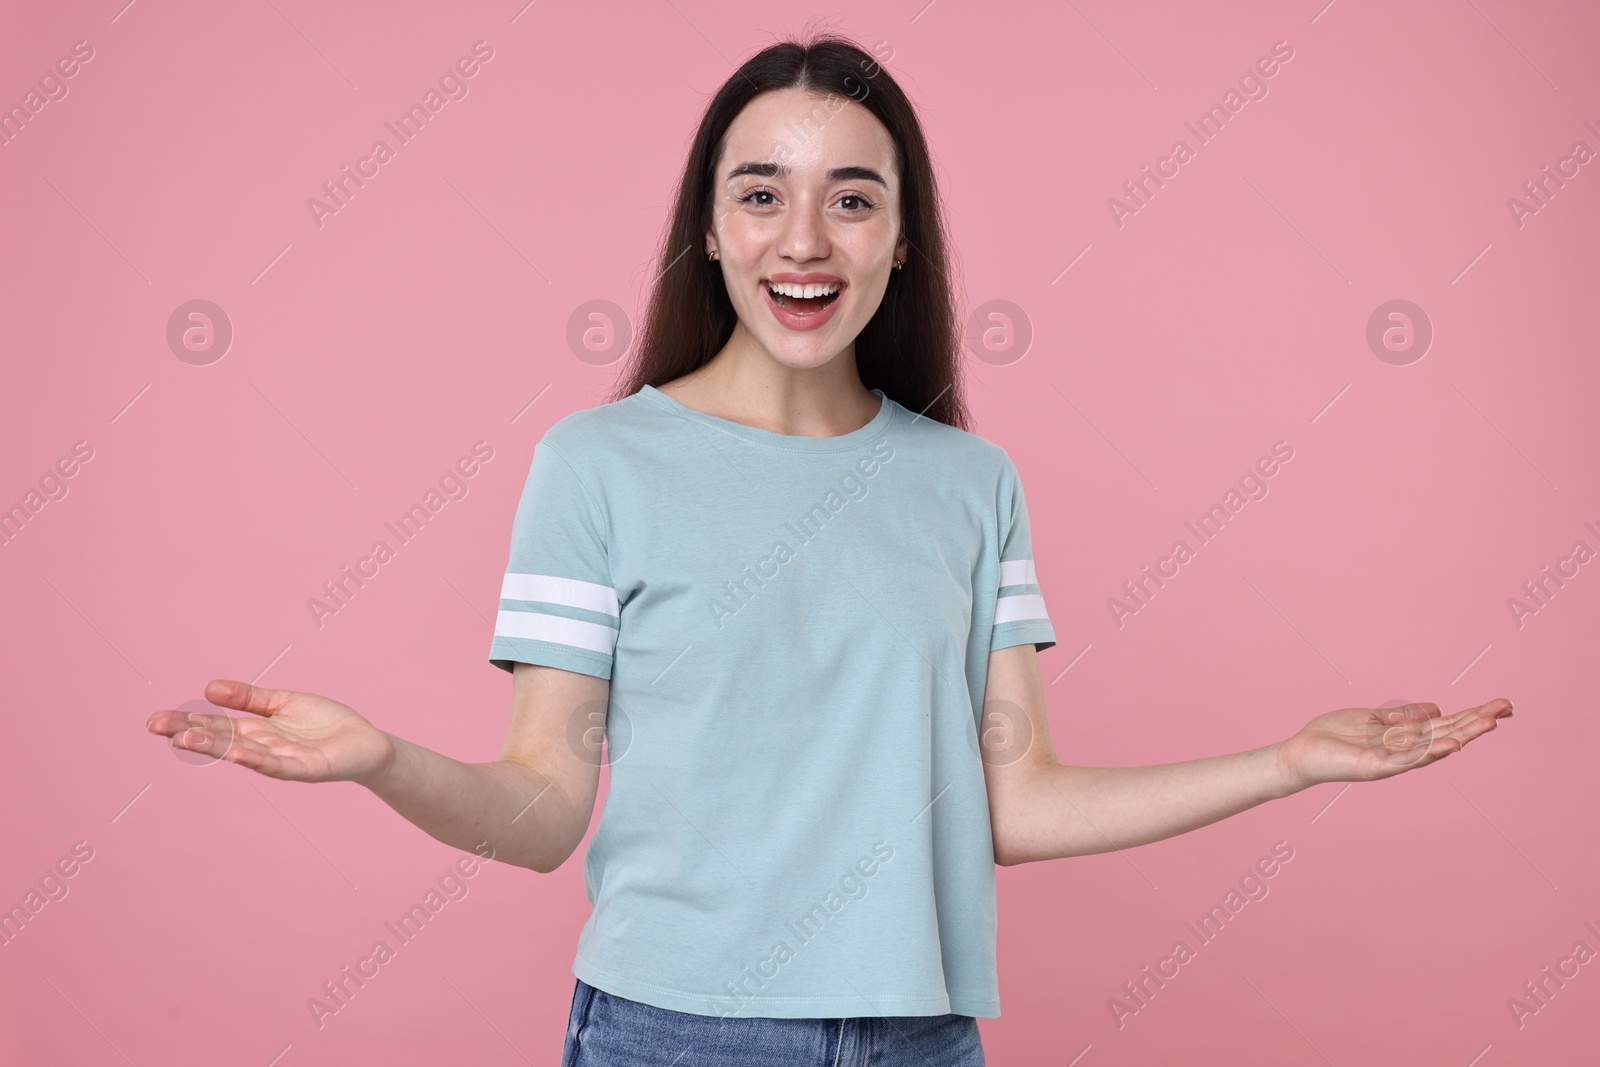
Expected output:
(793, 321)
(803, 279)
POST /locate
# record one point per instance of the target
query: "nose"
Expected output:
(804, 234)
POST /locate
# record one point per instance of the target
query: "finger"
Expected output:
(1494, 709)
(248, 752)
(263, 745)
(1467, 732)
(1498, 708)
(242, 696)
(1412, 727)
(1436, 756)
(1448, 723)
(1479, 720)
(172, 722)
(204, 741)
(167, 722)
(257, 759)
(1415, 712)
(1461, 720)
(1473, 723)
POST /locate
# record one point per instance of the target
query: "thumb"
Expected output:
(242, 696)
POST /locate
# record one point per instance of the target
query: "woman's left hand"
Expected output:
(1365, 744)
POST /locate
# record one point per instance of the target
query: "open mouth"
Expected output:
(790, 300)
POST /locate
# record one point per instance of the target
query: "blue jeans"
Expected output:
(610, 1031)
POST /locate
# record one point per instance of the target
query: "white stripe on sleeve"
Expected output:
(1017, 572)
(1019, 608)
(568, 592)
(535, 626)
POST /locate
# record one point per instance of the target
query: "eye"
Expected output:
(863, 204)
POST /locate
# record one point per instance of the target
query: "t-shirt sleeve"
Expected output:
(557, 605)
(1019, 613)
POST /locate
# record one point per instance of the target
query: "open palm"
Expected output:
(1365, 744)
(294, 736)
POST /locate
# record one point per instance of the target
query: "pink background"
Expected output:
(432, 311)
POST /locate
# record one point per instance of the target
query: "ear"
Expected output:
(901, 248)
(711, 243)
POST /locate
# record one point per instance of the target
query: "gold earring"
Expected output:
(898, 263)
(711, 255)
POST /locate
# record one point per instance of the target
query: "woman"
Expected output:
(779, 576)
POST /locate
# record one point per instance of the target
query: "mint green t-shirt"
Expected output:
(797, 633)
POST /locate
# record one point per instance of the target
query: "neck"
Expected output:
(744, 383)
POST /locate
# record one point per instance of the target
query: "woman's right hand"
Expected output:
(299, 737)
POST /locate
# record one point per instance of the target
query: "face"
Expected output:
(806, 195)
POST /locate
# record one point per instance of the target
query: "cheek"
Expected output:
(744, 234)
(868, 298)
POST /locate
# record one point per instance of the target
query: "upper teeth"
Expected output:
(804, 291)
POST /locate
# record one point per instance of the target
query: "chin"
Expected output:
(803, 355)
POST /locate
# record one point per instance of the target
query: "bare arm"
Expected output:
(532, 805)
(1040, 809)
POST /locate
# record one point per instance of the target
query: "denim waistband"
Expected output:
(604, 1030)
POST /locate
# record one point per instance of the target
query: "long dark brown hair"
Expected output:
(909, 347)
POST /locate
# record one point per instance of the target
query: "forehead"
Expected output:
(811, 132)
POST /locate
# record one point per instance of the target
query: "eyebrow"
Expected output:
(781, 170)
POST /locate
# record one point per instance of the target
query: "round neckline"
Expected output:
(791, 442)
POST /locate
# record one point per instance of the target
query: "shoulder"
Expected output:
(961, 450)
(594, 437)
